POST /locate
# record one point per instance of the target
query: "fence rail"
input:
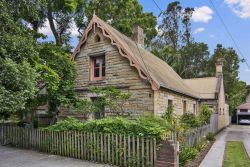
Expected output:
(120, 150)
(193, 138)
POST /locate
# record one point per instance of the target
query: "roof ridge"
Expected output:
(199, 78)
(160, 72)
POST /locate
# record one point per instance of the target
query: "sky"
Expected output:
(206, 25)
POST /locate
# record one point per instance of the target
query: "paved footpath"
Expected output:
(215, 155)
(13, 157)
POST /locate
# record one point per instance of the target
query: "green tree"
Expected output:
(170, 26)
(18, 55)
(194, 58)
(175, 43)
(58, 75)
(235, 90)
(17, 85)
(122, 15)
(52, 65)
(186, 17)
(59, 15)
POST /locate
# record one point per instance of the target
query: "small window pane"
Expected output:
(96, 72)
(98, 67)
(103, 71)
(99, 60)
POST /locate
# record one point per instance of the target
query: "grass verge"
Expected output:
(235, 155)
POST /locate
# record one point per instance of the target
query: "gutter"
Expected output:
(180, 92)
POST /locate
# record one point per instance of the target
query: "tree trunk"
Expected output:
(52, 25)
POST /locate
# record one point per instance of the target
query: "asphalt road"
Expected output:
(14, 157)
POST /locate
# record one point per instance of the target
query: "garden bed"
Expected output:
(200, 156)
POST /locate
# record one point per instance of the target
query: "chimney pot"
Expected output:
(138, 35)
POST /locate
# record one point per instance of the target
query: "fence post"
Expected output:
(167, 156)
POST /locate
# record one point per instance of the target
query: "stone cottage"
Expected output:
(211, 93)
(105, 57)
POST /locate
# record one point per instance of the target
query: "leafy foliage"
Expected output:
(190, 120)
(17, 85)
(175, 43)
(205, 114)
(210, 136)
(186, 154)
(67, 125)
(58, 73)
(142, 126)
(235, 90)
(122, 15)
(111, 98)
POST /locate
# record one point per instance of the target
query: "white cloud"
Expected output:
(74, 30)
(202, 14)
(211, 35)
(247, 70)
(199, 30)
(45, 29)
(240, 7)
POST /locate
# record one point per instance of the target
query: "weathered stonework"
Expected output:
(161, 99)
(121, 75)
(118, 74)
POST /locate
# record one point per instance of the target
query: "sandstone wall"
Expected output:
(118, 73)
(161, 102)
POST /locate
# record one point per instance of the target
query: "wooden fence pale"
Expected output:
(193, 138)
(120, 150)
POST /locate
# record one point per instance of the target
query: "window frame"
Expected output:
(184, 106)
(92, 68)
(170, 103)
(194, 108)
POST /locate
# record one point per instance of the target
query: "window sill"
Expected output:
(97, 81)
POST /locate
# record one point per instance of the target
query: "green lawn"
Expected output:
(235, 155)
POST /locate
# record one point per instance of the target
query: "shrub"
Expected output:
(142, 126)
(189, 120)
(205, 114)
(35, 123)
(149, 126)
(169, 113)
(210, 136)
(186, 154)
(66, 125)
(201, 145)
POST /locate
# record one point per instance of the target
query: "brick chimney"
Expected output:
(138, 35)
(219, 67)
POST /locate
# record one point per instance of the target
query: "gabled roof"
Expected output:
(149, 67)
(248, 99)
(206, 87)
(245, 106)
